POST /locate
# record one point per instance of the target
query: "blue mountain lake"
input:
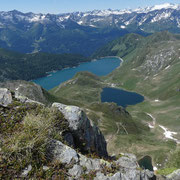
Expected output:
(146, 163)
(99, 67)
(120, 97)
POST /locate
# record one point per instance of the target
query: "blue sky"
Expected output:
(61, 6)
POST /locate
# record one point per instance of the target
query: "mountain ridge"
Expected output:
(108, 11)
(75, 16)
(81, 32)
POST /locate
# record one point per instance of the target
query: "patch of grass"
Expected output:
(166, 171)
(84, 88)
(24, 142)
(94, 117)
(37, 127)
(174, 159)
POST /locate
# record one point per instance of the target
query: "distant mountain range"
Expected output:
(82, 32)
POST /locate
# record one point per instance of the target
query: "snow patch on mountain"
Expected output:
(178, 22)
(156, 7)
(108, 12)
(80, 22)
(119, 18)
(37, 18)
(92, 25)
(163, 15)
(142, 20)
(123, 27)
(164, 6)
(130, 21)
(169, 134)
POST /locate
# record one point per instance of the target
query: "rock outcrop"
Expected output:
(86, 135)
(125, 168)
(5, 97)
(174, 176)
(58, 158)
(61, 152)
(26, 91)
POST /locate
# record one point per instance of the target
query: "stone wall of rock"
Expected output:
(5, 97)
(87, 137)
(26, 90)
(125, 168)
(174, 176)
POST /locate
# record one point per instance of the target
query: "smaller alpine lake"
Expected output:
(146, 163)
(120, 97)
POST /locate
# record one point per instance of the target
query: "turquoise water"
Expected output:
(120, 97)
(146, 163)
(99, 67)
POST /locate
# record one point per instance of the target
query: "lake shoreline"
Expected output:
(109, 57)
(120, 97)
(92, 60)
(99, 67)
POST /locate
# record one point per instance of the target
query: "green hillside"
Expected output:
(151, 67)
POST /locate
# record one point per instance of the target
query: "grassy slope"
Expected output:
(157, 82)
(154, 84)
(84, 90)
(160, 82)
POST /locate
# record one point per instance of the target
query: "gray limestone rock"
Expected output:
(90, 164)
(76, 171)
(61, 152)
(25, 99)
(149, 173)
(118, 176)
(86, 135)
(27, 90)
(131, 174)
(26, 171)
(101, 176)
(127, 162)
(174, 176)
(5, 97)
(73, 114)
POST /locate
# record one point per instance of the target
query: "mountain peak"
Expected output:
(165, 6)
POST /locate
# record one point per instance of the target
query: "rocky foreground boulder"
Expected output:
(86, 135)
(5, 97)
(124, 168)
(27, 91)
(60, 142)
(174, 176)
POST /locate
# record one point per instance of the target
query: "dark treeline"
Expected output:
(31, 66)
